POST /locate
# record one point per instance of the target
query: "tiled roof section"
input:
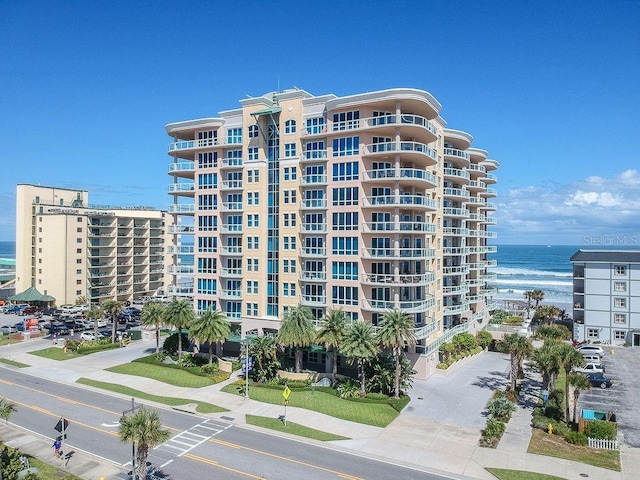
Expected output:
(607, 256)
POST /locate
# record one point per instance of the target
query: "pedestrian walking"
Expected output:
(56, 446)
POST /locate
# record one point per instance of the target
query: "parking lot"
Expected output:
(622, 398)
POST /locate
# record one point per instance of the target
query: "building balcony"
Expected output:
(313, 204)
(407, 306)
(231, 228)
(313, 276)
(400, 253)
(476, 170)
(459, 158)
(313, 156)
(182, 209)
(313, 252)
(408, 177)
(476, 186)
(410, 151)
(490, 192)
(313, 300)
(231, 250)
(413, 125)
(490, 206)
(193, 144)
(180, 270)
(489, 291)
(455, 290)
(455, 271)
(490, 263)
(455, 232)
(180, 290)
(101, 234)
(456, 309)
(182, 169)
(490, 178)
(181, 189)
(228, 163)
(458, 194)
(228, 294)
(476, 266)
(416, 279)
(231, 207)
(488, 277)
(231, 185)
(319, 179)
(181, 229)
(405, 227)
(400, 201)
(180, 249)
(313, 227)
(457, 174)
(455, 212)
(231, 272)
(455, 251)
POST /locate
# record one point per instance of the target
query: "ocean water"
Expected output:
(8, 250)
(528, 267)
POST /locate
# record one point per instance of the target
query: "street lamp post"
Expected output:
(247, 365)
(133, 408)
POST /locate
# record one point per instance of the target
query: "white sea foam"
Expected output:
(528, 272)
(527, 281)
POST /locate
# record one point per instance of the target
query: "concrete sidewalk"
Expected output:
(410, 439)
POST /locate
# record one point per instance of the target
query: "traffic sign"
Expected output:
(60, 427)
(286, 392)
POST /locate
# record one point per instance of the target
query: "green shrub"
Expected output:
(294, 384)
(576, 438)
(72, 345)
(170, 345)
(377, 396)
(209, 368)
(348, 389)
(494, 428)
(501, 408)
(601, 429)
(442, 366)
(484, 339)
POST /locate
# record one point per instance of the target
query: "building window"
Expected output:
(345, 171)
(208, 159)
(620, 302)
(593, 333)
(345, 147)
(252, 243)
(207, 286)
(619, 334)
(619, 286)
(78, 272)
(345, 295)
(207, 181)
(78, 240)
(253, 131)
(620, 318)
(79, 250)
(79, 260)
(620, 270)
(79, 219)
(289, 196)
(344, 271)
(289, 149)
(344, 246)
(252, 287)
(207, 265)
(290, 173)
(234, 136)
(290, 126)
(78, 282)
(345, 221)
(79, 230)
(345, 196)
(316, 125)
(253, 154)
(346, 120)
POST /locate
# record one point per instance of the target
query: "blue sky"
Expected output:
(550, 89)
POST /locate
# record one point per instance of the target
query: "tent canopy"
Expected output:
(31, 294)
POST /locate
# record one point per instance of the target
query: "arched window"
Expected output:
(290, 126)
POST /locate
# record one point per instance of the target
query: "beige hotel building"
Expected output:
(72, 250)
(367, 203)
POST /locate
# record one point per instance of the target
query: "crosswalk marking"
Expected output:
(189, 439)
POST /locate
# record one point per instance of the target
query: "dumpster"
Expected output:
(135, 334)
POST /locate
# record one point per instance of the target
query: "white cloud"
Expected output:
(566, 213)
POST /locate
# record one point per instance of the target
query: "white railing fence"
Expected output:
(602, 444)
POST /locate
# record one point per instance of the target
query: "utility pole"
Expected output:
(131, 410)
(247, 365)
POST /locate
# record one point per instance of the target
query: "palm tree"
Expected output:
(545, 360)
(144, 429)
(361, 345)
(396, 330)
(6, 409)
(153, 314)
(331, 335)
(537, 296)
(94, 315)
(547, 313)
(180, 314)
(528, 295)
(212, 327)
(569, 358)
(112, 307)
(264, 350)
(518, 347)
(579, 382)
(553, 333)
(297, 331)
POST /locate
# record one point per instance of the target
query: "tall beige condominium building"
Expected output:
(72, 250)
(365, 203)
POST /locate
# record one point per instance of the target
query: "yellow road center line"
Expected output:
(216, 464)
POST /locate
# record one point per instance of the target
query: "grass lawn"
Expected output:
(374, 414)
(555, 446)
(13, 363)
(294, 428)
(172, 376)
(8, 340)
(54, 353)
(504, 474)
(203, 407)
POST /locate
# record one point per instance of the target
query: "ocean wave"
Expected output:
(529, 272)
(527, 281)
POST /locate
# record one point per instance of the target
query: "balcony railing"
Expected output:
(416, 201)
(313, 155)
(313, 227)
(416, 253)
(456, 192)
(313, 276)
(182, 208)
(399, 120)
(313, 300)
(401, 174)
(455, 212)
(313, 252)
(401, 147)
(317, 179)
(409, 227)
(231, 250)
(178, 229)
(231, 185)
(313, 203)
(231, 272)
(454, 152)
(180, 270)
(401, 279)
(231, 228)
(180, 249)
(181, 188)
(181, 167)
(457, 173)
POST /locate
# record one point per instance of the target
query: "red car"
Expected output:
(35, 311)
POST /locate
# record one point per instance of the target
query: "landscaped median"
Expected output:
(74, 349)
(292, 428)
(375, 411)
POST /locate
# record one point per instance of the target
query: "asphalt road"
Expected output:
(199, 447)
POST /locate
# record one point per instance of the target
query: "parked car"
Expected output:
(592, 358)
(7, 329)
(599, 380)
(590, 349)
(590, 368)
(15, 308)
(19, 326)
(33, 311)
(58, 328)
(89, 336)
(51, 311)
